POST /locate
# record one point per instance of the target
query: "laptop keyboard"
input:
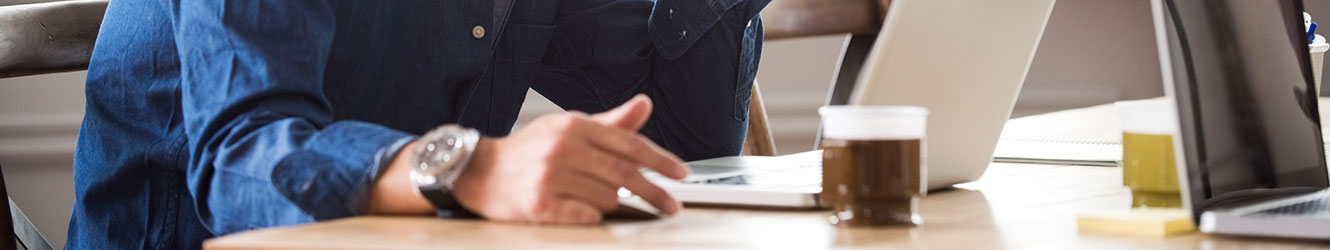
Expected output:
(1312, 208)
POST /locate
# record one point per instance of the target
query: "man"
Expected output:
(208, 117)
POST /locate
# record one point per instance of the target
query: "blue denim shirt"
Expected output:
(208, 117)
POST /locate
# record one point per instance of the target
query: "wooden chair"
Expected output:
(804, 18)
(48, 37)
(759, 140)
(41, 39)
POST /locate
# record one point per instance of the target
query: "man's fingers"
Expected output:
(591, 190)
(679, 169)
(652, 194)
(633, 148)
(603, 166)
(629, 116)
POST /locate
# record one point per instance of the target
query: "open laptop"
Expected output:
(964, 60)
(1252, 161)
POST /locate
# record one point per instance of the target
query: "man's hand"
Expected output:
(562, 168)
(567, 168)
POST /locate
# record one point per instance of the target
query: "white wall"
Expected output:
(1094, 51)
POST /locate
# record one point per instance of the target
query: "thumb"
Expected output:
(629, 116)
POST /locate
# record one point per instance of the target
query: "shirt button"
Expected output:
(478, 32)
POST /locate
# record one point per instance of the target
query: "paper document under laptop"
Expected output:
(1084, 136)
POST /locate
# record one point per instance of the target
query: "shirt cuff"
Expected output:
(332, 174)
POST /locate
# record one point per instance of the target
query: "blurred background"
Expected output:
(1093, 52)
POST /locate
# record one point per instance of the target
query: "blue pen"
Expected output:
(1311, 34)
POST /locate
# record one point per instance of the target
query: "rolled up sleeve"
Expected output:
(264, 148)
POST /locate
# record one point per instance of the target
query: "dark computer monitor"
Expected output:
(1240, 73)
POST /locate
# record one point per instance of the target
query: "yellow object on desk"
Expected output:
(1137, 222)
(1148, 164)
(1149, 169)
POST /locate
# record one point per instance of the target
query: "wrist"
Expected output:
(468, 188)
(393, 192)
(443, 154)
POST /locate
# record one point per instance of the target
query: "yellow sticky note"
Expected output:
(1137, 222)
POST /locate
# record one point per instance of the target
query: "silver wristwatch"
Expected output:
(440, 157)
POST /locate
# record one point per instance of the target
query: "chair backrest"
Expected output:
(805, 18)
(48, 37)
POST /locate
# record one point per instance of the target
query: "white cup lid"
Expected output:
(873, 122)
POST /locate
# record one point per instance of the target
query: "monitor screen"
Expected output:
(1239, 71)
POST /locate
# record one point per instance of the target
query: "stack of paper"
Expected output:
(1084, 136)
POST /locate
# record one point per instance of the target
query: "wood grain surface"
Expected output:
(1014, 206)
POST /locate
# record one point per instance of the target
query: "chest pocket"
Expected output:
(523, 43)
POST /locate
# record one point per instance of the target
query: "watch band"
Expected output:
(444, 154)
(446, 206)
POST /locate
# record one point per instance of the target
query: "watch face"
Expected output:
(438, 153)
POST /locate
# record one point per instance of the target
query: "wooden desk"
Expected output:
(1013, 206)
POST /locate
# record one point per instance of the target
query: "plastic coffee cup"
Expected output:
(873, 164)
(1149, 168)
(1318, 59)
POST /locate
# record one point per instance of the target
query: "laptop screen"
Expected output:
(1239, 71)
